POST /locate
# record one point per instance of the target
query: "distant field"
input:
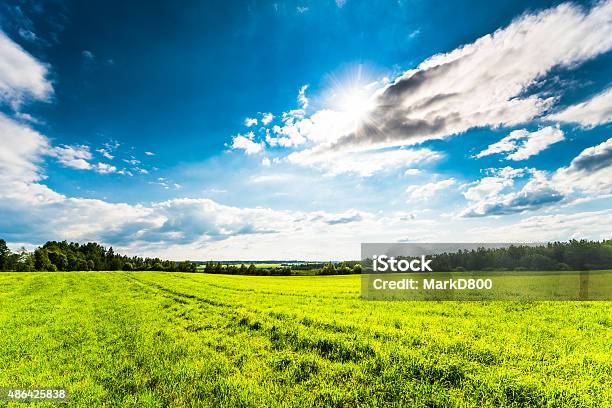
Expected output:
(257, 265)
(180, 339)
(266, 265)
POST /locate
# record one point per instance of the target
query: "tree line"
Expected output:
(71, 256)
(574, 255)
(342, 268)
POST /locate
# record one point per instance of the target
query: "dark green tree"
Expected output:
(41, 260)
(5, 253)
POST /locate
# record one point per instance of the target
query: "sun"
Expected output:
(353, 94)
(355, 101)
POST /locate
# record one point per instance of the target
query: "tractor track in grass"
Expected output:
(252, 318)
(258, 321)
(439, 364)
(268, 326)
(335, 345)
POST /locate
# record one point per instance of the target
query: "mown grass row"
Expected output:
(155, 339)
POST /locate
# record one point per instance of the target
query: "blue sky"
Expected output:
(297, 130)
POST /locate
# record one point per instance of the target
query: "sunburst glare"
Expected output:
(353, 94)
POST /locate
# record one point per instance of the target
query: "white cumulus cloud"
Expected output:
(267, 118)
(246, 143)
(105, 168)
(589, 175)
(593, 112)
(76, 157)
(589, 172)
(522, 144)
(428, 191)
(21, 75)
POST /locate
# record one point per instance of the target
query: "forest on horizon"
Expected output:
(71, 256)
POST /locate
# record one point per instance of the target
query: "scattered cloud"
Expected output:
(22, 153)
(536, 193)
(105, 168)
(267, 118)
(21, 75)
(149, 153)
(522, 144)
(588, 175)
(88, 56)
(246, 143)
(318, 128)
(22, 148)
(132, 160)
(364, 164)
(248, 122)
(589, 172)
(26, 117)
(112, 145)
(79, 157)
(166, 184)
(414, 33)
(105, 153)
(588, 114)
(491, 186)
(76, 157)
(27, 35)
(344, 218)
(427, 191)
(302, 98)
(551, 227)
(217, 190)
(288, 135)
(125, 172)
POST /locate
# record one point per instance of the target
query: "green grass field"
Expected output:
(178, 339)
